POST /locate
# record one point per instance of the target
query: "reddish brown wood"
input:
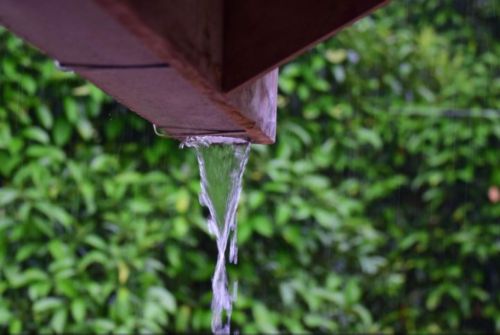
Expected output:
(220, 53)
(260, 35)
(227, 43)
(177, 98)
(187, 33)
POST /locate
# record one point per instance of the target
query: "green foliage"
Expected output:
(370, 213)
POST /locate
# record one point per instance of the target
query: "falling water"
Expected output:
(221, 170)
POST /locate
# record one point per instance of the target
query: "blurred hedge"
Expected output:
(370, 213)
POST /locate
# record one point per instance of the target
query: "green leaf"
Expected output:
(85, 129)
(59, 320)
(96, 242)
(263, 318)
(7, 196)
(352, 292)
(46, 304)
(36, 134)
(78, 310)
(71, 110)
(164, 298)
(56, 213)
(62, 132)
(262, 225)
(45, 116)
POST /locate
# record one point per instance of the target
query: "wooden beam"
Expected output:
(226, 44)
(189, 66)
(94, 42)
(260, 35)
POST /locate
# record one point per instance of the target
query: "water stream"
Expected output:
(221, 170)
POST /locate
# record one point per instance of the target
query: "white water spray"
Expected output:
(222, 162)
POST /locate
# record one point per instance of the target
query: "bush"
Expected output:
(370, 213)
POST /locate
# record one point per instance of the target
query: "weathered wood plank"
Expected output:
(83, 32)
(220, 53)
(260, 35)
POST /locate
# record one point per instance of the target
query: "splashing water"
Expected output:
(222, 162)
